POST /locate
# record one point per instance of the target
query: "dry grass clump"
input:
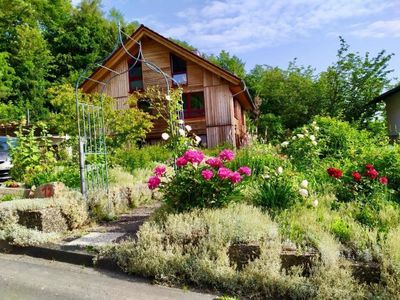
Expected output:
(126, 191)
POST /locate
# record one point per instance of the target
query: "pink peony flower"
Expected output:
(227, 155)
(224, 173)
(214, 162)
(194, 156)
(245, 170)
(207, 174)
(160, 170)
(181, 161)
(235, 177)
(153, 182)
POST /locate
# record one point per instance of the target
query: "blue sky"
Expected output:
(274, 32)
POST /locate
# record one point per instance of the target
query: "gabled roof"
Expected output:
(142, 31)
(386, 94)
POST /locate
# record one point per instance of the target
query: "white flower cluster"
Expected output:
(165, 136)
(303, 135)
(303, 191)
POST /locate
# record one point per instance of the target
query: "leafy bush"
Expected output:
(200, 184)
(275, 191)
(32, 156)
(139, 158)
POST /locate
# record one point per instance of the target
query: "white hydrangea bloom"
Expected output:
(188, 128)
(315, 203)
(312, 137)
(165, 136)
(294, 137)
(303, 192)
(299, 135)
(314, 143)
(180, 122)
(279, 170)
(304, 184)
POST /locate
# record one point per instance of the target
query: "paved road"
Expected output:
(23, 277)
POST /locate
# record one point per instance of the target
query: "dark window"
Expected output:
(178, 70)
(135, 77)
(193, 104)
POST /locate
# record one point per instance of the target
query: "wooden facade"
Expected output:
(225, 98)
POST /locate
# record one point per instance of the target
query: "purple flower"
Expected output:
(235, 177)
(160, 170)
(194, 156)
(245, 170)
(153, 182)
(224, 173)
(227, 155)
(214, 162)
(207, 174)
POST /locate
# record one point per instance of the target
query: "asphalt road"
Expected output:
(23, 277)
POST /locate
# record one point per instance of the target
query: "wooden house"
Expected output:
(214, 99)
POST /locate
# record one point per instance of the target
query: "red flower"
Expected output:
(214, 162)
(356, 176)
(369, 167)
(336, 173)
(384, 180)
(372, 173)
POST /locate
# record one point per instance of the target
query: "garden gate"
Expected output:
(91, 122)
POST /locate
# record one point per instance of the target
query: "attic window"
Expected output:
(135, 76)
(178, 70)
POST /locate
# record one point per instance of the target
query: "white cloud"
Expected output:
(378, 29)
(241, 25)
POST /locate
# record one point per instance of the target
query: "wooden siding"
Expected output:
(218, 103)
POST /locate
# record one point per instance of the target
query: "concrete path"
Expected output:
(23, 277)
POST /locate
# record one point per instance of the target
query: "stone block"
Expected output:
(49, 190)
(240, 254)
(47, 220)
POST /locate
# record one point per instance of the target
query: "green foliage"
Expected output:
(275, 192)
(341, 230)
(270, 127)
(139, 158)
(6, 198)
(230, 63)
(31, 156)
(10, 112)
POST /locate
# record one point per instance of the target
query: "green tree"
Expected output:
(230, 63)
(353, 81)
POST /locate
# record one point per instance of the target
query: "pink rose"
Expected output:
(181, 161)
(235, 177)
(245, 170)
(160, 170)
(214, 162)
(207, 174)
(224, 173)
(194, 156)
(227, 155)
(153, 182)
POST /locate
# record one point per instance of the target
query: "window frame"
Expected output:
(135, 78)
(173, 73)
(188, 112)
